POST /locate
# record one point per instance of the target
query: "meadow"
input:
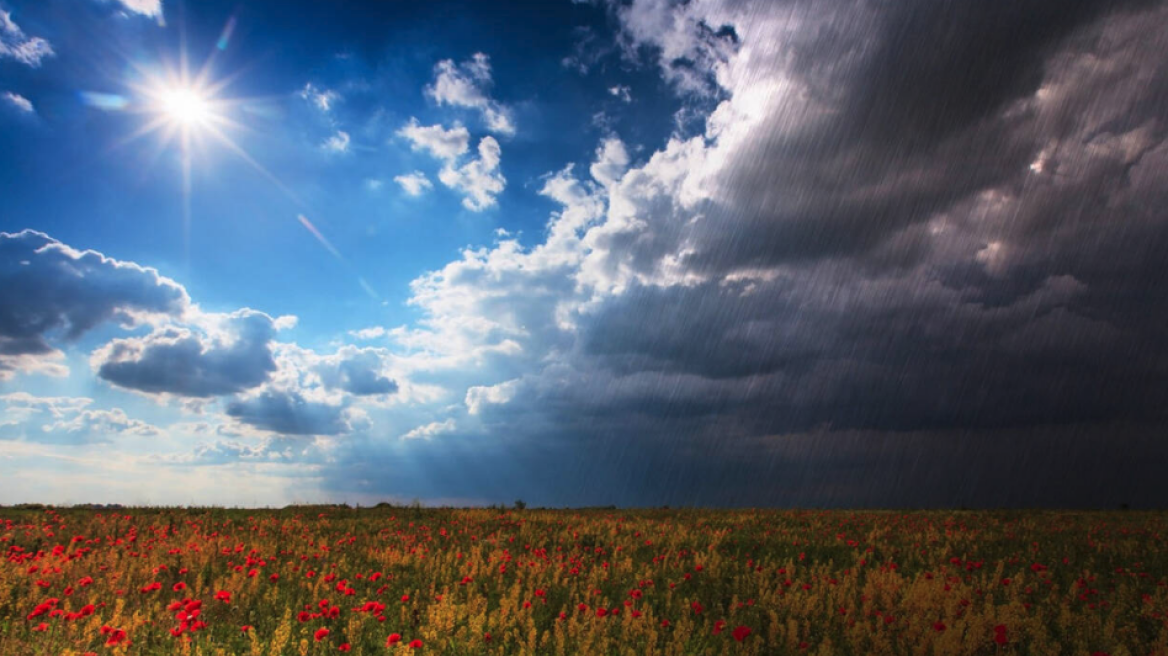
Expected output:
(392, 580)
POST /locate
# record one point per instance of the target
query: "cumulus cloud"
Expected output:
(19, 406)
(464, 85)
(441, 143)
(15, 44)
(66, 420)
(622, 92)
(104, 422)
(219, 355)
(289, 412)
(361, 372)
(51, 291)
(478, 179)
(18, 101)
(480, 396)
(611, 162)
(415, 183)
(427, 431)
(338, 143)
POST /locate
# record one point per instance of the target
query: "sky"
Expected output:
(822, 253)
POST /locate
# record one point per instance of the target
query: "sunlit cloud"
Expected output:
(430, 430)
(15, 44)
(151, 8)
(464, 85)
(18, 101)
(414, 184)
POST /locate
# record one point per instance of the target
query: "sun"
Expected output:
(185, 107)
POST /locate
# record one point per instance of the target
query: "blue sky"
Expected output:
(632, 252)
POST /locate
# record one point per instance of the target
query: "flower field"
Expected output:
(317, 580)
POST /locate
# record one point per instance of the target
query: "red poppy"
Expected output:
(416, 644)
(344, 646)
(223, 595)
(320, 634)
(393, 639)
(1000, 634)
(740, 633)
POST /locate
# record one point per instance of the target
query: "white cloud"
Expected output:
(15, 44)
(463, 85)
(612, 160)
(19, 406)
(430, 430)
(323, 99)
(338, 143)
(374, 332)
(441, 143)
(46, 363)
(152, 8)
(622, 92)
(415, 183)
(479, 396)
(18, 101)
(479, 179)
(65, 420)
(104, 422)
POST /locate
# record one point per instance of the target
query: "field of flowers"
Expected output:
(315, 580)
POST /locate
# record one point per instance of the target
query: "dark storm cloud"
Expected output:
(180, 361)
(896, 113)
(930, 271)
(288, 412)
(48, 290)
(940, 67)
